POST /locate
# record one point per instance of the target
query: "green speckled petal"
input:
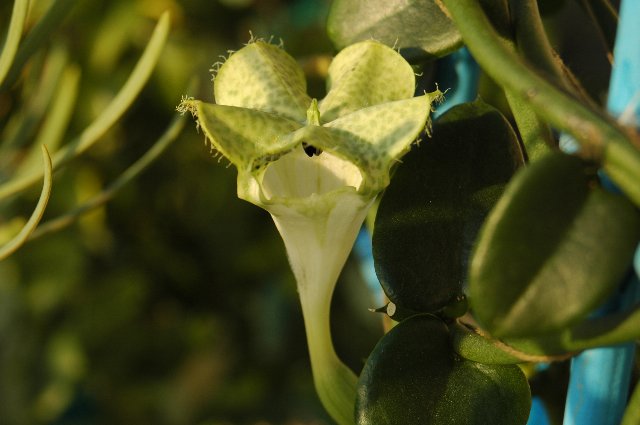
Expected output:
(264, 77)
(248, 138)
(365, 74)
(371, 138)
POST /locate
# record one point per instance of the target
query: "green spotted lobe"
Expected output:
(263, 76)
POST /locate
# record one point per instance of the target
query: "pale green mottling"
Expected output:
(365, 74)
(262, 76)
(368, 118)
(244, 135)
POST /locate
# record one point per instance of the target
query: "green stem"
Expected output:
(37, 36)
(532, 43)
(612, 329)
(532, 40)
(70, 217)
(632, 414)
(18, 17)
(536, 135)
(534, 46)
(14, 244)
(599, 137)
(605, 20)
(609, 330)
(112, 113)
(335, 383)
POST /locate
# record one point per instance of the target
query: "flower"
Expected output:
(315, 166)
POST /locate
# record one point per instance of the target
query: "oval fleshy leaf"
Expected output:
(264, 77)
(365, 74)
(413, 376)
(248, 138)
(468, 343)
(552, 250)
(430, 214)
(421, 27)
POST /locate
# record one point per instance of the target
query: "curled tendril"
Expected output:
(14, 244)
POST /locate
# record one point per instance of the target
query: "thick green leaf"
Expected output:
(430, 214)
(552, 250)
(613, 329)
(419, 26)
(468, 343)
(413, 376)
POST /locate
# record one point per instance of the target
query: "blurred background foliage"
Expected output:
(173, 304)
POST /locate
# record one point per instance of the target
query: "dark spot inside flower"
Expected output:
(310, 150)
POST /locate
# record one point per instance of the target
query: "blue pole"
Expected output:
(599, 382)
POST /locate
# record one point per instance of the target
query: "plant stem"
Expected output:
(532, 40)
(632, 414)
(37, 36)
(149, 157)
(335, 383)
(114, 110)
(19, 240)
(16, 25)
(596, 133)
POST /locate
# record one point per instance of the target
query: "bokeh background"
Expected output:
(174, 303)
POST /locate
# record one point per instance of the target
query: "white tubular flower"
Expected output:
(315, 166)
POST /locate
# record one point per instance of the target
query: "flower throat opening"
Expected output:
(308, 171)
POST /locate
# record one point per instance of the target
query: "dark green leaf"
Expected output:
(612, 329)
(430, 214)
(413, 377)
(473, 346)
(418, 27)
(551, 251)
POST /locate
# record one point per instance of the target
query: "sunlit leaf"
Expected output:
(551, 251)
(38, 35)
(12, 39)
(170, 135)
(419, 26)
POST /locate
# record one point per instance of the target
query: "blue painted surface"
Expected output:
(538, 415)
(364, 252)
(624, 89)
(599, 383)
